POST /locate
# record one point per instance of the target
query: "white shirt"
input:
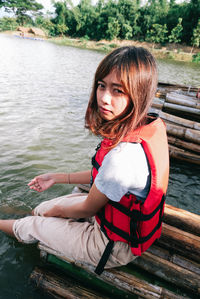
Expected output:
(124, 169)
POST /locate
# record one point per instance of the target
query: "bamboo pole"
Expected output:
(158, 103)
(176, 109)
(183, 109)
(176, 259)
(184, 243)
(184, 133)
(182, 100)
(178, 143)
(182, 155)
(58, 286)
(184, 220)
(170, 272)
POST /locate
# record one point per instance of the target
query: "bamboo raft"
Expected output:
(168, 269)
(179, 107)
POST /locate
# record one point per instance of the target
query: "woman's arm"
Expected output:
(43, 182)
(89, 207)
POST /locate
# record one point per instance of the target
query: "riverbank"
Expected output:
(170, 51)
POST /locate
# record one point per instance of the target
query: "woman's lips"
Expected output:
(104, 110)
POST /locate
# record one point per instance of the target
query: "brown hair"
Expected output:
(138, 74)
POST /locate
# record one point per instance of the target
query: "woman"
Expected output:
(129, 176)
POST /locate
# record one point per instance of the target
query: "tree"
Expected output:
(196, 36)
(62, 29)
(8, 24)
(21, 8)
(113, 28)
(157, 34)
(127, 31)
(176, 33)
(45, 23)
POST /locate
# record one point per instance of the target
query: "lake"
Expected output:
(44, 90)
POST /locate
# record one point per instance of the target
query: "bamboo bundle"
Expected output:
(118, 282)
(178, 100)
(174, 258)
(183, 136)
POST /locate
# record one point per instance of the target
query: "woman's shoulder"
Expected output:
(125, 150)
(126, 157)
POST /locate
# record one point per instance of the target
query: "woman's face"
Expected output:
(112, 100)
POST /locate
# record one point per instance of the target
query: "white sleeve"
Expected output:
(124, 169)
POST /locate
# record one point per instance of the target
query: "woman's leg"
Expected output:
(7, 225)
(65, 201)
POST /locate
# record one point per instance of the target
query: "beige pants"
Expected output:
(78, 241)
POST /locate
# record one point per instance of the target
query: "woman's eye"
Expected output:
(101, 85)
(119, 91)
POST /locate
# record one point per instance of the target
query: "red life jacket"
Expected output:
(131, 220)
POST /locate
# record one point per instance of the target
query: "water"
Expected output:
(44, 90)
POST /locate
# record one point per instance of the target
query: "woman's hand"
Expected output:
(42, 182)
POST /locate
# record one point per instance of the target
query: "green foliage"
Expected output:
(127, 31)
(113, 28)
(196, 57)
(175, 36)
(8, 24)
(61, 29)
(196, 36)
(21, 9)
(47, 25)
(152, 20)
(157, 34)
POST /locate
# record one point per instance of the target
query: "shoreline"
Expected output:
(170, 51)
(176, 52)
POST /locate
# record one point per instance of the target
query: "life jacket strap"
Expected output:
(100, 267)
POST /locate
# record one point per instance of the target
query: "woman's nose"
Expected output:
(106, 97)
